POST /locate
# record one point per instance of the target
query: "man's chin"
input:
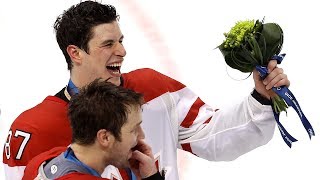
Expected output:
(116, 81)
(126, 164)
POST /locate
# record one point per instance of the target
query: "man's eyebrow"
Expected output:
(111, 40)
(107, 41)
(138, 124)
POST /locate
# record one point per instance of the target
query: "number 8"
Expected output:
(7, 145)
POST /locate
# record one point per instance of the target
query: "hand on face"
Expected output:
(275, 78)
(142, 161)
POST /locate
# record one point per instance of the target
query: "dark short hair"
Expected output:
(74, 26)
(100, 105)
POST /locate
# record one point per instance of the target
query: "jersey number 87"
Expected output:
(26, 137)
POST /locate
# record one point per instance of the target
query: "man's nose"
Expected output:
(120, 50)
(141, 134)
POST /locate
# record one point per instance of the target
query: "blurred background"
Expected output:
(177, 38)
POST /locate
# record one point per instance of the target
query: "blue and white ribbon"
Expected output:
(289, 98)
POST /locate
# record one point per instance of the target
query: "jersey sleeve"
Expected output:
(225, 134)
(204, 130)
(32, 169)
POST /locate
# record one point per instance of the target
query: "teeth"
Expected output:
(115, 65)
(115, 72)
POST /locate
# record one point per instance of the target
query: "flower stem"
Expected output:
(279, 104)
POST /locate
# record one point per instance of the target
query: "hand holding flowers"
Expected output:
(252, 46)
(276, 78)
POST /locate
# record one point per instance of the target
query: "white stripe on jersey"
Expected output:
(14, 173)
(184, 99)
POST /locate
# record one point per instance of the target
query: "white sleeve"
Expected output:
(14, 173)
(222, 135)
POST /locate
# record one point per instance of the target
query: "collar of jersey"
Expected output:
(69, 154)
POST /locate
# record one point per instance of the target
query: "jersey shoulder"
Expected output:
(42, 114)
(37, 130)
(150, 83)
(31, 170)
(80, 176)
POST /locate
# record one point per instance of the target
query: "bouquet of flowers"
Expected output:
(251, 45)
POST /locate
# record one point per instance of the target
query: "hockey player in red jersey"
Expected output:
(173, 117)
(106, 130)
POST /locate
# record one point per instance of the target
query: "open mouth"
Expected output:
(114, 69)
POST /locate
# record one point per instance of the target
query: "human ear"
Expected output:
(104, 137)
(74, 53)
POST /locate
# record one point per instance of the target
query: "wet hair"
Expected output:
(101, 105)
(75, 25)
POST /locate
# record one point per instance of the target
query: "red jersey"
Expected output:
(34, 170)
(36, 130)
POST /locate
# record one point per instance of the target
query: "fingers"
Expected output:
(142, 160)
(271, 65)
(273, 77)
(283, 82)
(276, 78)
(146, 164)
(143, 147)
(139, 156)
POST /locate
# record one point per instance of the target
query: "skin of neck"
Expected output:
(91, 155)
(79, 79)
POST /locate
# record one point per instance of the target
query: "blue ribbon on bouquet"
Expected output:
(289, 98)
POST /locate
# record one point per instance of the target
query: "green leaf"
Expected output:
(248, 56)
(262, 44)
(238, 59)
(273, 35)
(240, 62)
(227, 57)
(256, 49)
